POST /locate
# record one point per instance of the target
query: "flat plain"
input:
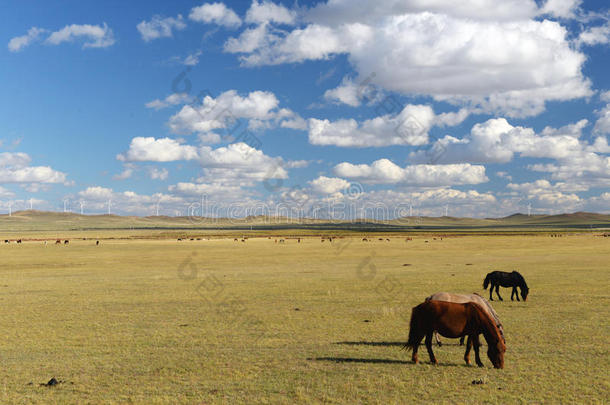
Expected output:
(214, 320)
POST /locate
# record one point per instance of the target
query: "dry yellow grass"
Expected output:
(161, 321)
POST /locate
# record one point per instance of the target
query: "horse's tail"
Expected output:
(412, 342)
(487, 281)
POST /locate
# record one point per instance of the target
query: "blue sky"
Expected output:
(324, 108)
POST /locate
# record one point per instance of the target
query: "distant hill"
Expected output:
(32, 220)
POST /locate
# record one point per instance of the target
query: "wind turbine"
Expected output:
(10, 206)
(109, 202)
(31, 205)
(65, 201)
(447, 210)
(410, 209)
(81, 207)
(158, 208)
(529, 209)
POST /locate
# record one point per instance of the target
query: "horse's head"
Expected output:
(524, 292)
(496, 354)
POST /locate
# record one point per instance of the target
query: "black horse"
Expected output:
(504, 279)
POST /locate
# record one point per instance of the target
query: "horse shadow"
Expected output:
(374, 360)
(378, 361)
(383, 343)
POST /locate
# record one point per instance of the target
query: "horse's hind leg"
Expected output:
(429, 347)
(415, 349)
(491, 291)
(476, 344)
(438, 339)
(462, 340)
(468, 347)
(498, 292)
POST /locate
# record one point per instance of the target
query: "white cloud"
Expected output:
(192, 59)
(15, 168)
(14, 159)
(159, 27)
(496, 141)
(409, 127)
(259, 108)
(239, 162)
(216, 13)
(512, 66)
(561, 8)
(545, 195)
(602, 125)
(328, 185)
(33, 174)
(158, 174)
(336, 12)
(598, 35)
(127, 172)
(347, 92)
(172, 99)
(383, 171)
(96, 36)
(267, 11)
(157, 150)
(18, 43)
(96, 198)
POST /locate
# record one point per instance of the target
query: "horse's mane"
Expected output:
(491, 309)
(490, 326)
(521, 279)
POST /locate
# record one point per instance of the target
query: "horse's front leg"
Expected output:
(491, 291)
(429, 347)
(462, 340)
(498, 292)
(468, 347)
(516, 293)
(476, 343)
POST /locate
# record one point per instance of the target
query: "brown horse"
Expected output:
(454, 320)
(461, 298)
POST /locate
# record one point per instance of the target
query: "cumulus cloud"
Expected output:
(267, 11)
(15, 168)
(496, 141)
(97, 198)
(493, 55)
(328, 185)
(157, 150)
(384, 171)
(95, 36)
(408, 127)
(215, 13)
(239, 162)
(546, 195)
(258, 108)
(561, 8)
(18, 43)
(159, 27)
(335, 12)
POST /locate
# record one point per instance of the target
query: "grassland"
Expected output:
(140, 320)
